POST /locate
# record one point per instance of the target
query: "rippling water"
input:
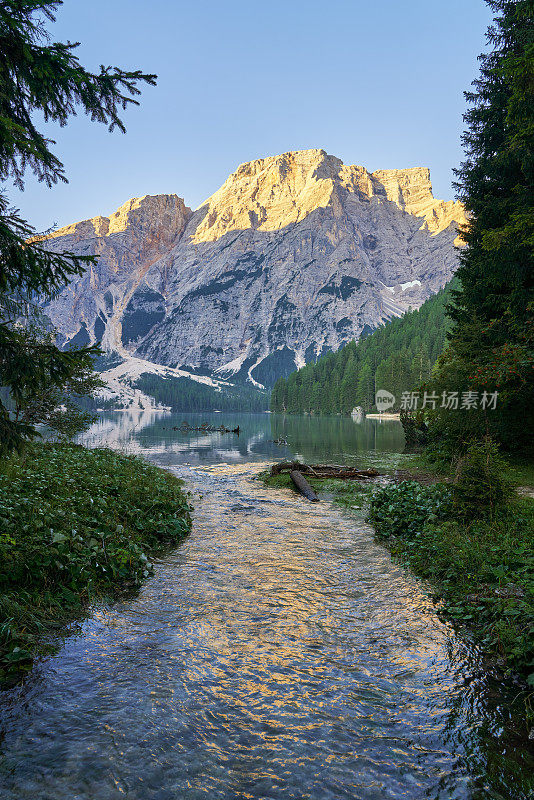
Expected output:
(278, 653)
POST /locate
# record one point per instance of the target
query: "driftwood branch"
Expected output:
(204, 428)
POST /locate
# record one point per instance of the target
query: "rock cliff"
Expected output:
(293, 256)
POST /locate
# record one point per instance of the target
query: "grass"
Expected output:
(76, 526)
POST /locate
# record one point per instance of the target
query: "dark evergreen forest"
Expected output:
(183, 394)
(397, 357)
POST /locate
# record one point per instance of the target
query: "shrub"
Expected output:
(479, 488)
(403, 509)
(414, 427)
(481, 569)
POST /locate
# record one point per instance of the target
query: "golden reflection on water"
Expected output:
(278, 653)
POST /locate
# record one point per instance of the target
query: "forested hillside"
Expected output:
(182, 394)
(396, 357)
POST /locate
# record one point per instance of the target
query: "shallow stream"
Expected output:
(278, 653)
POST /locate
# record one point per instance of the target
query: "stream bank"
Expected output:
(77, 527)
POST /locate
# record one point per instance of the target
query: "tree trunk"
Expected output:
(303, 486)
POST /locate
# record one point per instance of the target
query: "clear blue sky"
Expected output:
(374, 82)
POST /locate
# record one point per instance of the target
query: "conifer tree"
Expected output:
(349, 385)
(420, 367)
(365, 390)
(43, 79)
(492, 336)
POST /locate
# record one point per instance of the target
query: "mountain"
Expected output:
(294, 256)
(397, 357)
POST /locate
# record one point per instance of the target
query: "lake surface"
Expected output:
(278, 653)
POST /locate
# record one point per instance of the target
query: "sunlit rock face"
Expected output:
(293, 256)
(128, 243)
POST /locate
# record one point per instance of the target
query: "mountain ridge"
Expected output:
(253, 181)
(294, 255)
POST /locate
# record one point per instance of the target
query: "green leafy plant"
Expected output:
(404, 509)
(77, 525)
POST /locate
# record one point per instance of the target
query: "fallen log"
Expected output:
(324, 470)
(287, 466)
(303, 486)
(348, 474)
(344, 471)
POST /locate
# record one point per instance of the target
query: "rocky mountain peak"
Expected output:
(293, 256)
(268, 194)
(139, 215)
(411, 190)
(128, 242)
